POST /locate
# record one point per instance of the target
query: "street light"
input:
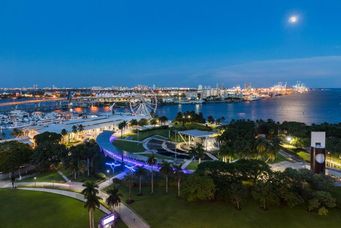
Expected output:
(35, 182)
(289, 139)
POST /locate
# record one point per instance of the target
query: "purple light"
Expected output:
(107, 220)
(116, 155)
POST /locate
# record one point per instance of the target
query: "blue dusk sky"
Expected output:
(170, 42)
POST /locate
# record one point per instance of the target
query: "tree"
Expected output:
(140, 172)
(128, 179)
(49, 151)
(64, 133)
(166, 170)
(92, 200)
(142, 122)
(91, 149)
(178, 174)
(74, 159)
(80, 128)
(133, 122)
(122, 126)
(321, 201)
(74, 129)
(265, 194)
(151, 162)
(239, 138)
(236, 193)
(196, 188)
(163, 119)
(287, 189)
(154, 121)
(114, 198)
(210, 119)
(16, 132)
(13, 155)
(251, 170)
(198, 152)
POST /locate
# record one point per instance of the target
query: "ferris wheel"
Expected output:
(144, 105)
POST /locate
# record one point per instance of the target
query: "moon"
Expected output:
(293, 19)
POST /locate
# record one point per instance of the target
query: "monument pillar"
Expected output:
(318, 152)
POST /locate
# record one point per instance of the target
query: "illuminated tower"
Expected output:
(318, 152)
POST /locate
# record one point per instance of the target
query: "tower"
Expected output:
(318, 152)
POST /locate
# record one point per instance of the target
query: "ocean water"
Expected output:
(316, 106)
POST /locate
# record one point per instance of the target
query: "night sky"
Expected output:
(170, 43)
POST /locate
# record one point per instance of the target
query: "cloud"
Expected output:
(321, 71)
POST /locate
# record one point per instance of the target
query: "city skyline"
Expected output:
(83, 44)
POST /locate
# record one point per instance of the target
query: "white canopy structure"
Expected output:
(208, 138)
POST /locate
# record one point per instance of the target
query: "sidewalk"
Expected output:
(129, 217)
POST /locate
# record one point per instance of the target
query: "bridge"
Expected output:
(35, 101)
(47, 104)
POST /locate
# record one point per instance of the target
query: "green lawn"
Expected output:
(129, 146)
(145, 134)
(28, 209)
(279, 158)
(304, 155)
(45, 177)
(161, 210)
(193, 165)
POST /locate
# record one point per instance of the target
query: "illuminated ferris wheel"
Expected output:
(144, 105)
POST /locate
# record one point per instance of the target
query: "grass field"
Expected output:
(304, 155)
(193, 165)
(162, 210)
(145, 134)
(129, 146)
(28, 209)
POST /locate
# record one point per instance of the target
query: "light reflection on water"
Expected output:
(313, 107)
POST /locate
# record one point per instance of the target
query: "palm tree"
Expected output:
(163, 119)
(261, 147)
(80, 128)
(129, 181)
(74, 129)
(140, 172)
(64, 133)
(198, 151)
(92, 200)
(17, 132)
(166, 170)
(152, 161)
(121, 126)
(133, 122)
(178, 173)
(114, 198)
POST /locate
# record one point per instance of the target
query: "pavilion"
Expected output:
(207, 138)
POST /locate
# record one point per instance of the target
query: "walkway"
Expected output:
(128, 216)
(214, 158)
(63, 176)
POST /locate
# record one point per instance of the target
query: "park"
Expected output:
(167, 172)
